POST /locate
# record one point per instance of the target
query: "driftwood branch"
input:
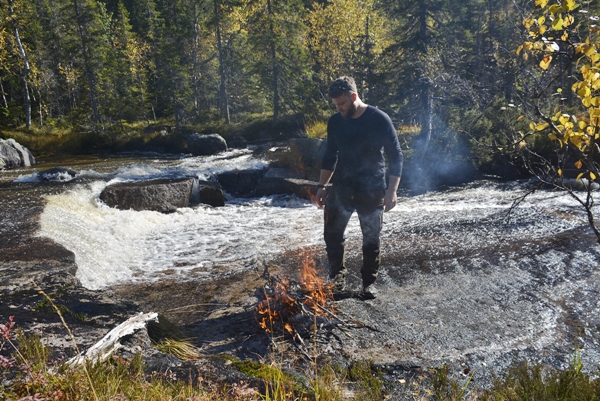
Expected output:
(110, 342)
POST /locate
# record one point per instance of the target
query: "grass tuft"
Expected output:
(182, 349)
(317, 129)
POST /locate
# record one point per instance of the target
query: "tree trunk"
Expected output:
(4, 102)
(195, 60)
(422, 26)
(25, 71)
(275, 67)
(223, 104)
(428, 123)
(367, 87)
(41, 110)
(88, 66)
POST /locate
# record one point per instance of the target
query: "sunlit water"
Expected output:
(114, 246)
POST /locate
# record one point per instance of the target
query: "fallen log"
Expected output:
(110, 342)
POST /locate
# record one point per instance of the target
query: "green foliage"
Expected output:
(32, 351)
(317, 130)
(446, 389)
(529, 383)
(369, 381)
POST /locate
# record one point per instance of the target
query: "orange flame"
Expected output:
(317, 290)
(279, 305)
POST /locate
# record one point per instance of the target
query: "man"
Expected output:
(357, 138)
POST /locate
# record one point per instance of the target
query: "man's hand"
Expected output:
(322, 192)
(320, 197)
(389, 200)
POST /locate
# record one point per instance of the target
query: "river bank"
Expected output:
(460, 285)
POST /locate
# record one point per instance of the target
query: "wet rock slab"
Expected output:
(467, 289)
(460, 285)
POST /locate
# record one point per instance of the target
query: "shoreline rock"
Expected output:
(13, 154)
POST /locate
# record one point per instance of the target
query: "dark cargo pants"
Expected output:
(341, 202)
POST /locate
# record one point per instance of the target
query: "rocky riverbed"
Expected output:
(460, 285)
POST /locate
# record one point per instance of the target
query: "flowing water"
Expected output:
(115, 246)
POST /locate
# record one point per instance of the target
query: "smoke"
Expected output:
(444, 161)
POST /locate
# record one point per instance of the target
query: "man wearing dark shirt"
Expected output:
(357, 138)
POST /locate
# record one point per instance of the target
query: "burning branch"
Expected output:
(287, 309)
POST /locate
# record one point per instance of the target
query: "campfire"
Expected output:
(294, 308)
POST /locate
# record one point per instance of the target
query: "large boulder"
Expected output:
(204, 145)
(240, 182)
(309, 153)
(208, 192)
(13, 154)
(164, 195)
(281, 181)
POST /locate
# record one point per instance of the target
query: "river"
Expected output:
(463, 280)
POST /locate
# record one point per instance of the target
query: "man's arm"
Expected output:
(391, 198)
(323, 180)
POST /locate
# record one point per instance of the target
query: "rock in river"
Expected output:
(201, 145)
(57, 174)
(207, 192)
(13, 154)
(164, 195)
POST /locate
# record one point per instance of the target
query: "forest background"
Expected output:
(88, 73)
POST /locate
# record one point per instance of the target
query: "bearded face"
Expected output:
(345, 105)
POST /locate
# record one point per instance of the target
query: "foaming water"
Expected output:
(115, 246)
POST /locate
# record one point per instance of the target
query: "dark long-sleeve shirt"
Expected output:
(355, 150)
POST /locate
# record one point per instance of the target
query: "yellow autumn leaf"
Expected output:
(541, 3)
(545, 63)
(590, 50)
(519, 50)
(570, 5)
(592, 176)
(541, 126)
(552, 137)
(578, 164)
(554, 8)
(568, 20)
(579, 177)
(563, 119)
(520, 118)
(557, 24)
(582, 124)
(528, 22)
(541, 20)
(584, 92)
(565, 36)
(559, 172)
